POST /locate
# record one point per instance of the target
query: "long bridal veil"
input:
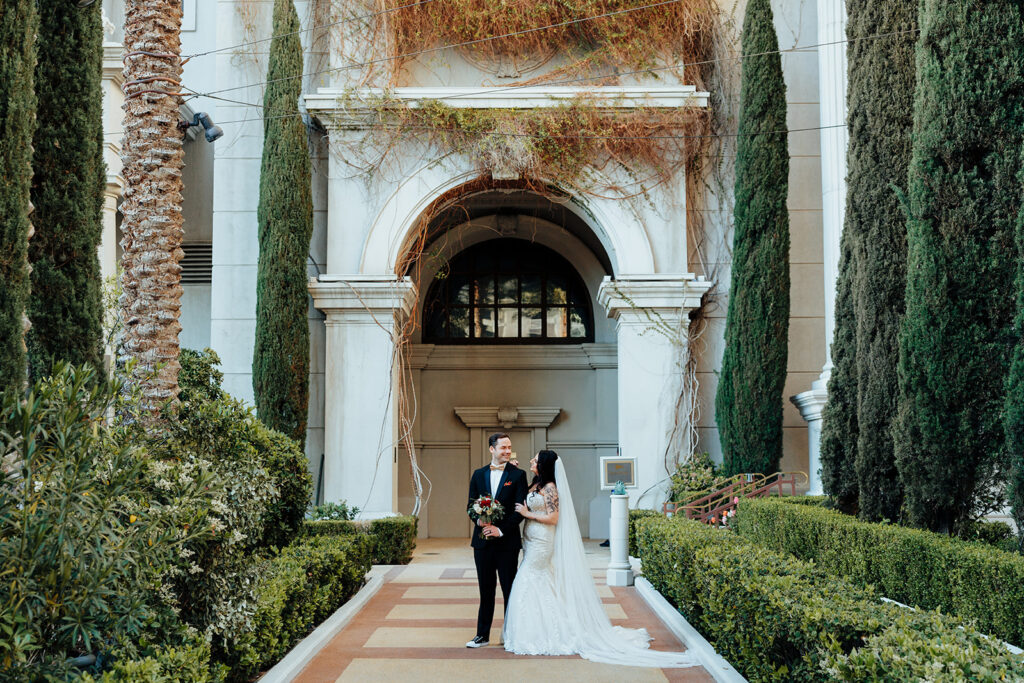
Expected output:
(597, 640)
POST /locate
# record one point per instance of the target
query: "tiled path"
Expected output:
(416, 627)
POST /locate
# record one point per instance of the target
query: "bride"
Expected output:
(554, 608)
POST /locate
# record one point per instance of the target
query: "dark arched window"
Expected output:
(507, 291)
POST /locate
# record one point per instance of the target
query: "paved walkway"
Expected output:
(416, 627)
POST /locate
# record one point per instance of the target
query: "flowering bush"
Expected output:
(83, 544)
(333, 512)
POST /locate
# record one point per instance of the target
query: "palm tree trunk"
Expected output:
(152, 227)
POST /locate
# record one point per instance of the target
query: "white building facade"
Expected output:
(574, 337)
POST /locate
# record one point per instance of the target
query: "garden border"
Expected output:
(715, 664)
(292, 664)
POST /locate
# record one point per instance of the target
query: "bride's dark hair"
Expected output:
(545, 469)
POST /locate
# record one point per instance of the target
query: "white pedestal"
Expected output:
(811, 404)
(619, 571)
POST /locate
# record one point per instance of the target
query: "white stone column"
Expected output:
(364, 318)
(113, 98)
(651, 322)
(834, 139)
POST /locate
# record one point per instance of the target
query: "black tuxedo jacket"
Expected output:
(511, 490)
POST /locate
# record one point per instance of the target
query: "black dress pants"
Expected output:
(490, 561)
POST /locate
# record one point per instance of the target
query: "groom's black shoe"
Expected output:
(479, 641)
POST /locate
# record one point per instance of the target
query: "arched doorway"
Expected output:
(509, 341)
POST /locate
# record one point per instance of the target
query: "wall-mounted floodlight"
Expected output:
(203, 119)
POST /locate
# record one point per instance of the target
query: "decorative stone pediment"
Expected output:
(508, 416)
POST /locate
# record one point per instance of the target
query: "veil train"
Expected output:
(587, 622)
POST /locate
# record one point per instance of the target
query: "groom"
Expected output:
(499, 552)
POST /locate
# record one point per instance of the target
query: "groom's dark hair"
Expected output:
(494, 438)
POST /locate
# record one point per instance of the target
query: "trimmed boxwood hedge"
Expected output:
(393, 538)
(634, 517)
(297, 590)
(778, 618)
(920, 568)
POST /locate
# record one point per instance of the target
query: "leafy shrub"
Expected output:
(392, 539)
(777, 618)
(920, 568)
(188, 659)
(922, 647)
(814, 501)
(209, 413)
(332, 512)
(634, 517)
(82, 543)
(297, 590)
(199, 379)
(696, 477)
(998, 534)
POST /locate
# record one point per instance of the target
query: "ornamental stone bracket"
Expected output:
(811, 404)
(647, 299)
(366, 299)
(535, 417)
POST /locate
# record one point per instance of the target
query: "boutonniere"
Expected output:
(508, 483)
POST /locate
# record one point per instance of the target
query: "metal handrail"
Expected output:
(712, 506)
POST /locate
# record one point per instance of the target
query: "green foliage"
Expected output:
(83, 544)
(839, 416)
(66, 307)
(777, 618)
(964, 200)
(17, 123)
(922, 647)
(210, 407)
(297, 590)
(916, 567)
(1014, 422)
(877, 160)
(634, 517)
(266, 491)
(696, 477)
(332, 512)
(185, 657)
(199, 379)
(392, 539)
(280, 366)
(748, 404)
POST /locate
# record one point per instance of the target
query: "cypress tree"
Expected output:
(748, 404)
(1015, 384)
(66, 307)
(839, 417)
(964, 196)
(280, 363)
(881, 110)
(17, 122)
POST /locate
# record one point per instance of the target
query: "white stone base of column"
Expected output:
(620, 577)
(811, 404)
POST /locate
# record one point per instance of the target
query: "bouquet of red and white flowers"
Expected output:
(487, 509)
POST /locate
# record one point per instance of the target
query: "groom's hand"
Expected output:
(491, 530)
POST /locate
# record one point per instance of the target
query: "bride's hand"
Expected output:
(522, 510)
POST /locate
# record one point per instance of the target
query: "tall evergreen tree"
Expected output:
(17, 122)
(66, 306)
(964, 198)
(1014, 424)
(748, 405)
(280, 366)
(877, 162)
(839, 417)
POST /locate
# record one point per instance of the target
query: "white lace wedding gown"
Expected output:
(554, 608)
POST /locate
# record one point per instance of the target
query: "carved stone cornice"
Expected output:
(508, 416)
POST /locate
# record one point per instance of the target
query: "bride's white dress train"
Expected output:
(554, 608)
